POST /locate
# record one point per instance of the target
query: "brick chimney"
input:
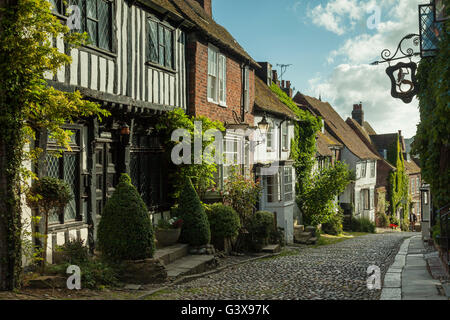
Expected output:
(265, 73)
(286, 86)
(358, 113)
(206, 5)
(275, 77)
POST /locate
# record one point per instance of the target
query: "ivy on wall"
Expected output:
(315, 193)
(432, 141)
(398, 180)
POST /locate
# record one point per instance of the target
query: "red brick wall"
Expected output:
(197, 52)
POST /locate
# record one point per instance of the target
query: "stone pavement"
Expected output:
(408, 277)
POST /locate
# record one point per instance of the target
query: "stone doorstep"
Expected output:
(188, 265)
(170, 254)
(271, 248)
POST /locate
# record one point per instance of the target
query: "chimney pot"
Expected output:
(288, 84)
(358, 113)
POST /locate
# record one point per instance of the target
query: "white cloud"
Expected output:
(354, 80)
(350, 84)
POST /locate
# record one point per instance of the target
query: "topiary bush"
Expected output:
(125, 231)
(223, 220)
(334, 225)
(260, 227)
(363, 225)
(195, 230)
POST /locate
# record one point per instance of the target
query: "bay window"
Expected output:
(288, 190)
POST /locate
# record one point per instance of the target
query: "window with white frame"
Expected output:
(272, 188)
(246, 89)
(372, 169)
(217, 76)
(417, 185)
(288, 190)
(285, 136)
(363, 169)
(365, 195)
(270, 136)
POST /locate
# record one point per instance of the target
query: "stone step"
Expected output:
(299, 228)
(188, 265)
(170, 254)
(304, 235)
(272, 248)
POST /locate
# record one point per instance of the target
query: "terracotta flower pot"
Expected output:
(167, 237)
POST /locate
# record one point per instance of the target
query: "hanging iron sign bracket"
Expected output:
(402, 87)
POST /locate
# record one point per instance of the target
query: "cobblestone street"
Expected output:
(336, 271)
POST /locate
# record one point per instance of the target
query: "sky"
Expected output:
(330, 44)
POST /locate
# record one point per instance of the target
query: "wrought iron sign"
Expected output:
(404, 84)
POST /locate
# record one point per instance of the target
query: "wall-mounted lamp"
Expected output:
(263, 125)
(125, 130)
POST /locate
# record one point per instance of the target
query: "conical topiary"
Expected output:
(195, 229)
(125, 231)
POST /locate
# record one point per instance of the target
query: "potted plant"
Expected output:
(168, 231)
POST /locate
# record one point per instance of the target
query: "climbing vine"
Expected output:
(398, 180)
(27, 106)
(432, 141)
(315, 191)
(201, 174)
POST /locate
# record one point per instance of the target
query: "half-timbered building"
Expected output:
(135, 67)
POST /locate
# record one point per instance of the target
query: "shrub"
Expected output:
(277, 236)
(74, 252)
(395, 220)
(383, 220)
(363, 225)
(334, 224)
(223, 220)
(404, 225)
(95, 274)
(195, 230)
(125, 231)
(48, 194)
(260, 226)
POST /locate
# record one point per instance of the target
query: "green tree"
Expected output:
(318, 201)
(28, 105)
(196, 229)
(125, 231)
(201, 175)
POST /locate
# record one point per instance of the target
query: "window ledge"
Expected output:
(285, 150)
(96, 50)
(269, 150)
(66, 226)
(158, 66)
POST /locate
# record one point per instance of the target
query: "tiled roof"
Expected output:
(337, 126)
(411, 167)
(268, 101)
(192, 11)
(322, 143)
(384, 141)
(368, 128)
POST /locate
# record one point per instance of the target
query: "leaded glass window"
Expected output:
(288, 193)
(65, 167)
(160, 44)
